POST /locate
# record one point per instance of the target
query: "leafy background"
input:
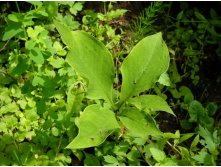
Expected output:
(41, 96)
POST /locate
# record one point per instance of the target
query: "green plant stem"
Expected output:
(26, 36)
(145, 159)
(116, 73)
(16, 155)
(17, 6)
(105, 11)
(14, 151)
(175, 149)
(59, 145)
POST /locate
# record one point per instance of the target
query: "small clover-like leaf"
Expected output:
(36, 55)
(76, 7)
(56, 62)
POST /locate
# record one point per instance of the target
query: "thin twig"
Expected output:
(175, 149)
(17, 7)
(4, 46)
(145, 159)
(59, 145)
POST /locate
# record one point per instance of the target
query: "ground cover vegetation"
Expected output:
(110, 83)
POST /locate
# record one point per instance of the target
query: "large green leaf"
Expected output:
(95, 125)
(138, 124)
(153, 102)
(91, 60)
(144, 65)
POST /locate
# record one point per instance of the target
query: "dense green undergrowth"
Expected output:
(98, 96)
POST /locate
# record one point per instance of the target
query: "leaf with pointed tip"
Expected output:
(164, 79)
(157, 154)
(153, 102)
(95, 125)
(144, 65)
(91, 59)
